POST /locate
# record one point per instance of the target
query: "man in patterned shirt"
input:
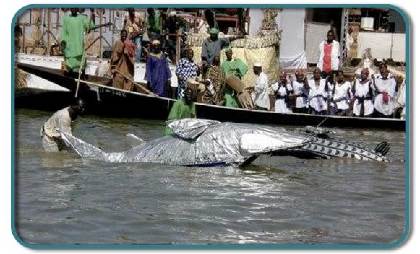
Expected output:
(185, 69)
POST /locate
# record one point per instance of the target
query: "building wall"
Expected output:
(292, 46)
(396, 18)
(315, 33)
(383, 45)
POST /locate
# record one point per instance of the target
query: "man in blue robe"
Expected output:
(158, 74)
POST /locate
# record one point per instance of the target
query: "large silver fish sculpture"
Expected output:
(199, 142)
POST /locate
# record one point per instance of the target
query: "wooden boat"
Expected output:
(109, 101)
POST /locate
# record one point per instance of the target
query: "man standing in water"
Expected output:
(51, 138)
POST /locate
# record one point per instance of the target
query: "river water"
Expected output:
(61, 198)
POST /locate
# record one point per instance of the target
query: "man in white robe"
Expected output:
(385, 88)
(262, 100)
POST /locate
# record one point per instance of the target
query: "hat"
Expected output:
(257, 64)
(155, 42)
(214, 30)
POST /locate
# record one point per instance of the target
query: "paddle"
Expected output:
(144, 89)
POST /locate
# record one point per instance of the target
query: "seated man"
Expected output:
(51, 139)
(182, 108)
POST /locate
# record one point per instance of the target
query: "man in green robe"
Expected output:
(154, 26)
(236, 67)
(182, 108)
(73, 39)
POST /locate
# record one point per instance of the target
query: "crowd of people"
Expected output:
(217, 82)
(370, 95)
(324, 91)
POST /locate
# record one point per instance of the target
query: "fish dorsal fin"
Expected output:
(190, 128)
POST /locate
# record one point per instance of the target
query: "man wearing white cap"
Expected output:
(158, 74)
(262, 100)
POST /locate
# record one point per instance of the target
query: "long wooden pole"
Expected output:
(24, 38)
(57, 22)
(100, 33)
(113, 26)
(49, 31)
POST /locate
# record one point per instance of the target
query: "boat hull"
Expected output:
(109, 101)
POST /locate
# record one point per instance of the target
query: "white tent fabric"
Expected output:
(383, 45)
(256, 17)
(315, 34)
(292, 46)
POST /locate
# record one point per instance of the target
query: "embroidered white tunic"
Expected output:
(385, 86)
(301, 101)
(341, 95)
(362, 91)
(318, 95)
(401, 99)
(280, 105)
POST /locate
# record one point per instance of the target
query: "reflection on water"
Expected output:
(63, 199)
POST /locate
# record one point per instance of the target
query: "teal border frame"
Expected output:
(215, 246)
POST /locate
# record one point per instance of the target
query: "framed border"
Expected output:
(234, 246)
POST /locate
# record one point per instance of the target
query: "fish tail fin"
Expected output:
(336, 148)
(382, 148)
